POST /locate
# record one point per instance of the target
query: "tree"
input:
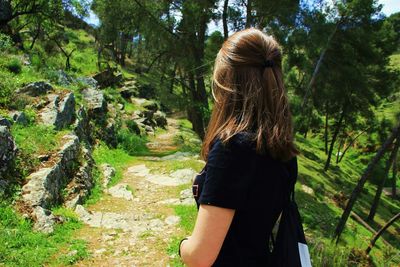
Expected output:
(379, 189)
(357, 190)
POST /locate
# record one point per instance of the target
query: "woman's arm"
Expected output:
(211, 227)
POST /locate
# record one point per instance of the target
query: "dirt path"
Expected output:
(132, 224)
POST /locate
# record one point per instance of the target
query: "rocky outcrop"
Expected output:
(5, 122)
(108, 172)
(160, 119)
(45, 188)
(129, 90)
(60, 111)
(108, 78)
(96, 103)
(8, 150)
(36, 89)
(19, 117)
(82, 127)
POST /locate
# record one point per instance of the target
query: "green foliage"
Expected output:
(131, 143)
(32, 141)
(117, 158)
(14, 65)
(6, 90)
(38, 249)
(5, 42)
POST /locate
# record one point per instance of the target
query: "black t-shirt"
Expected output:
(256, 186)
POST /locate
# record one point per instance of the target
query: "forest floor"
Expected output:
(133, 223)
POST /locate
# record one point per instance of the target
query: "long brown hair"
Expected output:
(250, 96)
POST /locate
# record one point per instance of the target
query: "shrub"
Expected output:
(6, 90)
(5, 42)
(14, 65)
(131, 143)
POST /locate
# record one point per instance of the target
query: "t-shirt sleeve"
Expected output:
(225, 185)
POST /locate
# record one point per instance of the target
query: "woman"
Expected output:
(250, 155)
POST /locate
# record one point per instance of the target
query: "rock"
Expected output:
(120, 106)
(88, 81)
(63, 78)
(127, 93)
(43, 158)
(149, 129)
(133, 127)
(44, 220)
(179, 177)
(45, 187)
(82, 127)
(138, 170)
(36, 89)
(172, 220)
(307, 189)
(8, 150)
(107, 78)
(120, 191)
(4, 184)
(110, 134)
(161, 119)
(19, 117)
(72, 203)
(184, 175)
(180, 156)
(5, 122)
(108, 173)
(151, 105)
(60, 112)
(97, 105)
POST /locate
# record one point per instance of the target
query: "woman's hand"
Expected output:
(212, 225)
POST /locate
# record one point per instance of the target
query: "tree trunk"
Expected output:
(249, 18)
(326, 133)
(341, 143)
(351, 144)
(380, 232)
(335, 134)
(225, 19)
(319, 64)
(357, 190)
(379, 189)
(194, 109)
(394, 170)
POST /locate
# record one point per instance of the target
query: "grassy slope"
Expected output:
(320, 213)
(20, 245)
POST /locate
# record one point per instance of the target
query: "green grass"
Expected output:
(117, 158)
(188, 216)
(23, 247)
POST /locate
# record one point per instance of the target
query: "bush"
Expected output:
(5, 42)
(131, 143)
(14, 65)
(6, 90)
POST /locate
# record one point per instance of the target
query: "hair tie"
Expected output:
(268, 64)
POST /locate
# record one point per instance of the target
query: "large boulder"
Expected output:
(96, 103)
(60, 112)
(88, 81)
(107, 78)
(83, 128)
(160, 118)
(128, 90)
(19, 117)
(36, 89)
(5, 122)
(8, 150)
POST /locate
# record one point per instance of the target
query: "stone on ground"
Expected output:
(120, 191)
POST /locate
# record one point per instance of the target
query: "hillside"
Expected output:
(97, 161)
